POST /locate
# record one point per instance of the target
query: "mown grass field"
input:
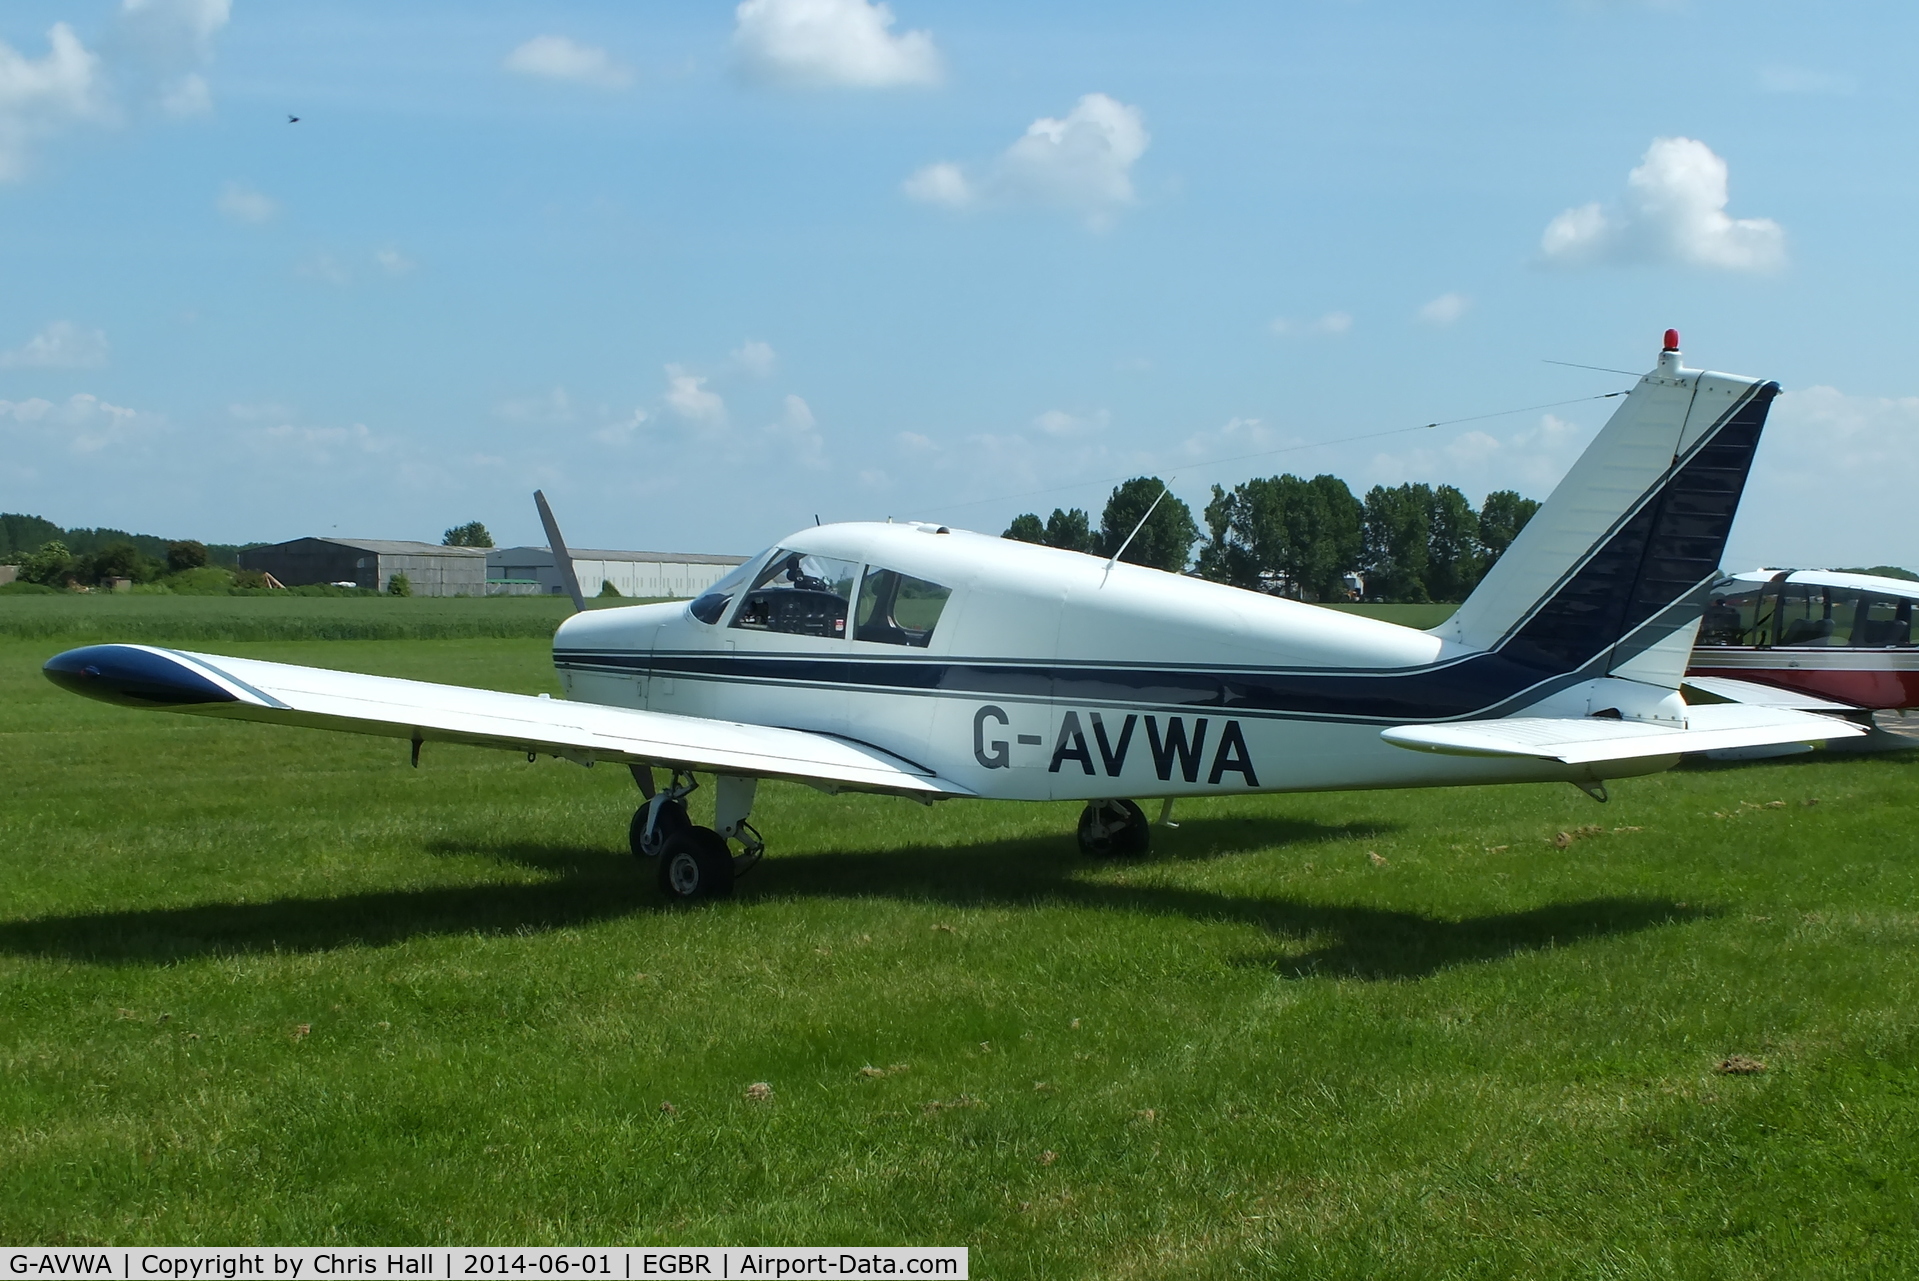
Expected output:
(184, 620)
(264, 985)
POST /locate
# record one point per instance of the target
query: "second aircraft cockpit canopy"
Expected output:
(804, 594)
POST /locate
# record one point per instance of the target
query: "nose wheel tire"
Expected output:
(671, 822)
(695, 864)
(1113, 829)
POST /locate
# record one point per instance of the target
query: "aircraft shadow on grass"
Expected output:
(587, 884)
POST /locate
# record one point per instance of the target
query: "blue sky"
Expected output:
(705, 271)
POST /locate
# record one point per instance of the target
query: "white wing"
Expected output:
(1591, 740)
(283, 694)
(1737, 691)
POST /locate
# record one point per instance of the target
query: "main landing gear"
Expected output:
(695, 862)
(1113, 829)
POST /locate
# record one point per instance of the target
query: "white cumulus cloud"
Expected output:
(552, 407)
(160, 47)
(687, 396)
(755, 357)
(61, 345)
(242, 203)
(1082, 162)
(798, 430)
(943, 183)
(620, 431)
(813, 44)
(1445, 309)
(84, 424)
(1673, 211)
(1060, 424)
(559, 58)
(41, 96)
(150, 59)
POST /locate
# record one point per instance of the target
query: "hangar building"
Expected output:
(430, 569)
(673, 574)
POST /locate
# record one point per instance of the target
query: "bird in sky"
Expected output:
(293, 120)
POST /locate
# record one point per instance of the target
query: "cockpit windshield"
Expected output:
(799, 594)
(711, 604)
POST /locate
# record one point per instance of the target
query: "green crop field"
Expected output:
(265, 985)
(188, 620)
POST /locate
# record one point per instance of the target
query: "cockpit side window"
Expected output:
(895, 609)
(800, 595)
(711, 604)
(1806, 617)
(1739, 613)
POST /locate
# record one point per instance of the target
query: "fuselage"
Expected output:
(1847, 637)
(1031, 673)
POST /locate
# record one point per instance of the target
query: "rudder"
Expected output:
(1609, 575)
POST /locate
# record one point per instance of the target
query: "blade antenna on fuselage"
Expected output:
(1163, 486)
(562, 558)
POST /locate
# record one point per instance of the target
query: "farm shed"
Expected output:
(643, 574)
(431, 570)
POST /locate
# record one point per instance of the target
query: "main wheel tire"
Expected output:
(695, 864)
(671, 822)
(1113, 829)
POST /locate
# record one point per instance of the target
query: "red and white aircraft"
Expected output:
(936, 664)
(1847, 638)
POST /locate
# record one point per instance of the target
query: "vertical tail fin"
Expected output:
(1610, 575)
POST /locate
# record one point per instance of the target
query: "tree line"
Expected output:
(48, 556)
(21, 535)
(1305, 539)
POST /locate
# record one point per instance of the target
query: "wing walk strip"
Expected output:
(280, 693)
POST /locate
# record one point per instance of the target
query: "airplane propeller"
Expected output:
(562, 558)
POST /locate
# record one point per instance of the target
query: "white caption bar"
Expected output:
(576, 1263)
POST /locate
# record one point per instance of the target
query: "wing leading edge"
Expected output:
(1592, 740)
(284, 694)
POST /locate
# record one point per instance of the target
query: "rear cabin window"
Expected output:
(1882, 621)
(799, 595)
(896, 609)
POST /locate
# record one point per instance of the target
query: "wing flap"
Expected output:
(285, 694)
(1592, 740)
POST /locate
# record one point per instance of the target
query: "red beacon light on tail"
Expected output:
(1669, 355)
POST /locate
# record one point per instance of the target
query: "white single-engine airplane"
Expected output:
(921, 661)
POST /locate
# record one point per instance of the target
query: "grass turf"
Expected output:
(191, 620)
(259, 984)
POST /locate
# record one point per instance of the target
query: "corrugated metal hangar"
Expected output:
(372, 563)
(656, 574)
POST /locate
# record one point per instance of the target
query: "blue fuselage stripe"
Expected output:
(1463, 688)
